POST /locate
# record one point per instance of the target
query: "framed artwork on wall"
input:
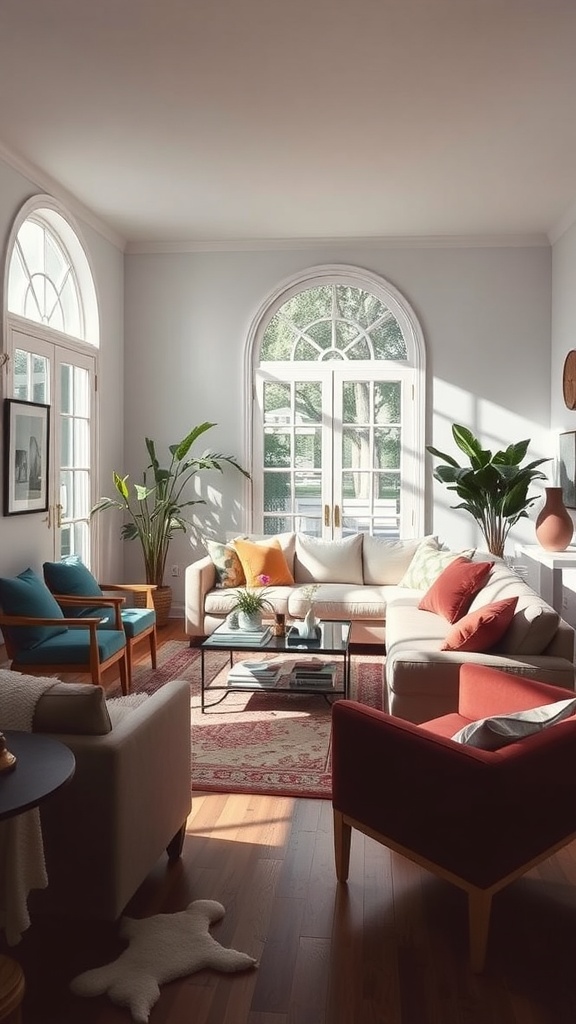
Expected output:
(26, 438)
(567, 466)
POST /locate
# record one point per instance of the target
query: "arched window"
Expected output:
(51, 338)
(337, 428)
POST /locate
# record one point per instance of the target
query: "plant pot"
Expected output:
(162, 601)
(250, 620)
(554, 526)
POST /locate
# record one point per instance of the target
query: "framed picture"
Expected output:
(567, 465)
(26, 437)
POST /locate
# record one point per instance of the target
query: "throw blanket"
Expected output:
(22, 866)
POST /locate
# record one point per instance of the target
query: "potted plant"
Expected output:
(251, 603)
(493, 488)
(156, 508)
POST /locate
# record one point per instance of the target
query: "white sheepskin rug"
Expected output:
(161, 948)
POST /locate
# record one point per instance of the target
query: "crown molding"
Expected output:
(563, 224)
(52, 187)
(406, 242)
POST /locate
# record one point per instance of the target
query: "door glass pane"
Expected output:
(31, 377)
(75, 456)
(277, 447)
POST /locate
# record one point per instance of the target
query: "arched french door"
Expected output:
(51, 338)
(337, 426)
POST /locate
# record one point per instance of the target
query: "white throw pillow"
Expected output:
(427, 564)
(328, 561)
(120, 707)
(499, 731)
(385, 560)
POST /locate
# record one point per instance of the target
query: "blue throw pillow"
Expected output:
(72, 577)
(27, 594)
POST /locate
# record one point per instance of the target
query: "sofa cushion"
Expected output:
(72, 708)
(328, 561)
(427, 564)
(27, 594)
(341, 601)
(482, 629)
(258, 560)
(535, 622)
(501, 730)
(385, 561)
(228, 567)
(452, 591)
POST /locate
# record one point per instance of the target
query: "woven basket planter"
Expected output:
(162, 599)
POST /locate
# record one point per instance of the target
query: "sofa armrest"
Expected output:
(200, 578)
(129, 796)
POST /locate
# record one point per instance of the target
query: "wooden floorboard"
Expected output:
(390, 947)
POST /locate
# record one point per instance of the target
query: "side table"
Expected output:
(550, 566)
(43, 765)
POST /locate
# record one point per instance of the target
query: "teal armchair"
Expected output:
(76, 589)
(41, 640)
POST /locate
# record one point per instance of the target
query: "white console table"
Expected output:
(550, 565)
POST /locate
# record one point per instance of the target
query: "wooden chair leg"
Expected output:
(129, 662)
(479, 907)
(125, 677)
(342, 840)
(153, 648)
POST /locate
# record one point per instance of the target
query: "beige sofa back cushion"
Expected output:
(328, 561)
(385, 561)
(74, 708)
(535, 622)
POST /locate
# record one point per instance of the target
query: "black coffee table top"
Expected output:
(43, 765)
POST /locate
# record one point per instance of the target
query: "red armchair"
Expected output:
(476, 818)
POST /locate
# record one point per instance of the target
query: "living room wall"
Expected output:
(23, 538)
(485, 313)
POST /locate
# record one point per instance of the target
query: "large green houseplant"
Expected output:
(493, 488)
(158, 507)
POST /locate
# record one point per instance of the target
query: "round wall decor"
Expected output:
(569, 380)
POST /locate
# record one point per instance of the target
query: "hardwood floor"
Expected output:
(388, 948)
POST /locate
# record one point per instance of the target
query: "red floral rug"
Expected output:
(264, 742)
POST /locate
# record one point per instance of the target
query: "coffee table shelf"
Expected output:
(334, 642)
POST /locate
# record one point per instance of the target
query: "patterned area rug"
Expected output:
(264, 742)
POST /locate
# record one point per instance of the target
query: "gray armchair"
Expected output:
(127, 802)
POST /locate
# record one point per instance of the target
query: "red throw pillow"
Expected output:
(451, 593)
(480, 630)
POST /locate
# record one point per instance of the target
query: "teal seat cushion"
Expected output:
(70, 576)
(27, 594)
(73, 648)
(134, 620)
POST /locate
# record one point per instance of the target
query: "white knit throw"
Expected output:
(22, 866)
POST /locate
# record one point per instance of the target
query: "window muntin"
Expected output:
(42, 281)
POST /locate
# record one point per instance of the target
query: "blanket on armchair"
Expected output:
(22, 866)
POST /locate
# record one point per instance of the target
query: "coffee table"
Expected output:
(334, 641)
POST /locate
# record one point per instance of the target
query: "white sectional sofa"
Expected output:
(364, 578)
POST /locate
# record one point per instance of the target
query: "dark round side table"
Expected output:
(42, 766)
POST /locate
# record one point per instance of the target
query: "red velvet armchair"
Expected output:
(476, 818)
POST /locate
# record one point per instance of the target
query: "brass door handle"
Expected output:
(48, 519)
(59, 508)
(326, 515)
(337, 516)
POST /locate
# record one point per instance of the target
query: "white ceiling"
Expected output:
(198, 120)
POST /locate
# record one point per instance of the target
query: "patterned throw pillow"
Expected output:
(229, 571)
(427, 564)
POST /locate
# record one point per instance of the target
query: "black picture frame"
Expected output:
(26, 448)
(567, 467)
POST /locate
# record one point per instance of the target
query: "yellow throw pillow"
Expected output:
(263, 560)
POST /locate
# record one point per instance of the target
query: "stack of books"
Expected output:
(241, 637)
(313, 673)
(254, 674)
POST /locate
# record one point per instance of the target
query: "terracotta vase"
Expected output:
(554, 526)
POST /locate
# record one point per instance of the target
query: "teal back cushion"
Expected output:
(72, 577)
(27, 594)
